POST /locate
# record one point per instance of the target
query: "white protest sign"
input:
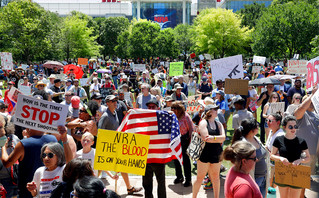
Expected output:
(296, 56)
(230, 67)
(259, 59)
(24, 66)
(20, 82)
(61, 76)
(40, 115)
(26, 90)
(13, 94)
(162, 63)
(208, 56)
(155, 71)
(312, 72)
(139, 67)
(127, 96)
(315, 101)
(6, 60)
(276, 107)
(256, 69)
(201, 57)
(83, 81)
(297, 67)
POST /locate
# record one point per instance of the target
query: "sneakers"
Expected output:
(187, 183)
(178, 180)
(133, 190)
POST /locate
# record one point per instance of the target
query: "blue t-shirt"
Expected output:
(222, 105)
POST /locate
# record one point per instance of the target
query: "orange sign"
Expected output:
(83, 61)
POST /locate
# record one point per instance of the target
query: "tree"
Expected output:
(166, 44)
(251, 13)
(183, 37)
(25, 30)
(111, 28)
(77, 37)
(219, 32)
(122, 49)
(286, 29)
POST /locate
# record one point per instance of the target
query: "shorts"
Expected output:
(286, 185)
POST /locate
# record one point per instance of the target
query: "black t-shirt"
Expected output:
(196, 118)
(290, 149)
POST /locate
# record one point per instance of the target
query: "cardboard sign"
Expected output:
(256, 69)
(298, 176)
(121, 152)
(139, 67)
(259, 59)
(297, 67)
(230, 67)
(83, 61)
(276, 107)
(176, 68)
(40, 115)
(193, 104)
(83, 81)
(312, 72)
(236, 86)
(25, 90)
(315, 101)
(6, 61)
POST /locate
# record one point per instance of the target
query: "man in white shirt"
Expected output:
(241, 113)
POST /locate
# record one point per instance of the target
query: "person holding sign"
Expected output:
(292, 150)
(238, 181)
(267, 108)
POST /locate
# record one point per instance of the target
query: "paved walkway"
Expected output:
(179, 191)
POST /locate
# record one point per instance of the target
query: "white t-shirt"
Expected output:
(271, 138)
(88, 156)
(47, 181)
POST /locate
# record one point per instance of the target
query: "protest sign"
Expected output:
(24, 66)
(298, 176)
(276, 107)
(127, 96)
(13, 94)
(139, 67)
(230, 67)
(39, 115)
(176, 68)
(312, 72)
(61, 76)
(155, 71)
(83, 61)
(259, 59)
(6, 61)
(315, 101)
(297, 67)
(83, 82)
(193, 104)
(208, 56)
(25, 90)
(105, 92)
(162, 63)
(256, 69)
(236, 86)
(201, 57)
(121, 152)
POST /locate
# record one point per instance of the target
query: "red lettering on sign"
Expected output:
(54, 117)
(44, 116)
(25, 110)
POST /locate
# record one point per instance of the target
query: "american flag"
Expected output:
(163, 130)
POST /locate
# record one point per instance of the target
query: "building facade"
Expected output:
(236, 5)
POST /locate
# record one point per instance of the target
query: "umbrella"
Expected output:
(264, 81)
(51, 64)
(76, 70)
(103, 71)
(92, 60)
(283, 77)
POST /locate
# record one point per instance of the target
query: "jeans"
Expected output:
(115, 81)
(262, 128)
(159, 170)
(261, 182)
(12, 190)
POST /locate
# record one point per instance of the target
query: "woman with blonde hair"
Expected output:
(266, 112)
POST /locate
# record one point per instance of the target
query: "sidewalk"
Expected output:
(179, 191)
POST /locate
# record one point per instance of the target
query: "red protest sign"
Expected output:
(312, 72)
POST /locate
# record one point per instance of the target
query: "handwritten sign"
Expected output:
(176, 68)
(256, 69)
(105, 92)
(25, 90)
(230, 67)
(83, 61)
(297, 67)
(121, 152)
(201, 57)
(236, 86)
(83, 81)
(61, 76)
(276, 107)
(312, 72)
(259, 59)
(6, 60)
(193, 104)
(24, 66)
(315, 101)
(298, 176)
(39, 115)
(208, 56)
(139, 67)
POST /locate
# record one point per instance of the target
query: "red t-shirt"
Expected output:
(109, 85)
(240, 185)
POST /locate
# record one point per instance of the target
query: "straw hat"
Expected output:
(40, 83)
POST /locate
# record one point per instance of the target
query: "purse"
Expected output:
(196, 147)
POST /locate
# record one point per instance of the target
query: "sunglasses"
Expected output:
(270, 121)
(252, 158)
(298, 98)
(275, 97)
(40, 85)
(291, 127)
(82, 111)
(50, 155)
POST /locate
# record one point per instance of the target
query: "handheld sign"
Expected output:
(39, 115)
(193, 104)
(26, 90)
(176, 68)
(315, 101)
(139, 67)
(83, 61)
(312, 72)
(259, 59)
(121, 152)
(297, 67)
(236, 86)
(230, 67)
(298, 176)
(276, 107)
(256, 69)
(6, 60)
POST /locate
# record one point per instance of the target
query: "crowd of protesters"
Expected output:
(62, 165)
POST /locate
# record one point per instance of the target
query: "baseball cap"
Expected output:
(211, 106)
(111, 97)
(152, 101)
(75, 101)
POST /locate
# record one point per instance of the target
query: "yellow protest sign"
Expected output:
(298, 176)
(121, 152)
(176, 68)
